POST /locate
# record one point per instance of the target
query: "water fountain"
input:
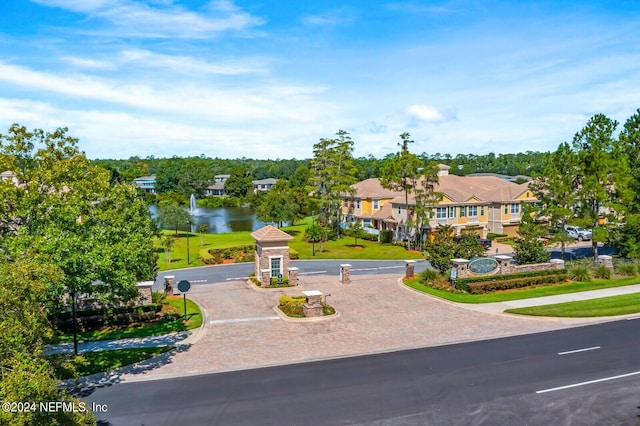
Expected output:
(192, 204)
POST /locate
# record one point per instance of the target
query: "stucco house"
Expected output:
(482, 203)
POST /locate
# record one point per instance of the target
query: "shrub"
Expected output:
(429, 276)
(158, 297)
(226, 254)
(386, 236)
(293, 254)
(484, 287)
(602, 272)
(292, 305)
(580, 273)
(485, 278)
(206, 257)
(274, 282)
(627, 268)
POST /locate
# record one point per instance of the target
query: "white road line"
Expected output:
(227, 321)
(198, 281)
(589, 382)
(237, 278)
(314, 272)
(579, 350)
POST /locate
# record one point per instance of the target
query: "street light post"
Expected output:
(188, 258)
(313, 234)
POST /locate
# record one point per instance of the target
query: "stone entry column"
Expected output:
(145, 291)
(265, 277)
(345, 273)
(313, 305)
(605, 260)
(293, 276)
(169, 284)
(410, 267)
(461, 266)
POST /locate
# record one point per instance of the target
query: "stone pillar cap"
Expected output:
(345, 265)
(604, 256)
(293, 268)
(312, 293)
(144, 283)
(265, 270)
(459, 260)
(556, 261)
(503, 257)
(169, 276)
(409, 261)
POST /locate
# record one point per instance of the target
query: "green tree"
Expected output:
(203, 228)
(167, 243)
(356, 230)
(26, 373)
(173, 216)
(278, 204)
(407, 173)
(529, 246)
(239, 183)
(556, 190)
(468, 245)
(442, 248)
(332, 174)
(69, 213)
(601, 175)
(626, 238)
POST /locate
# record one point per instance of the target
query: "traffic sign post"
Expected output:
(184, 287)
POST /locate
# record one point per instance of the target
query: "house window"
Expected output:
(452, 212)
(506, 208)
(366, 223)
(441, 212)
(515, 208)
(463, 211)
(375, 204)
(275, 266)
(358, 203)
(473, 211)
(399, 210)
(481, 210)
(346, 203)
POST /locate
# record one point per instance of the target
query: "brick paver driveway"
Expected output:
(377, 314)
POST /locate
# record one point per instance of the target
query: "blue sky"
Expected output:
(267, 79)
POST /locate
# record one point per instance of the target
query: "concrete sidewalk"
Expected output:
(500, 307)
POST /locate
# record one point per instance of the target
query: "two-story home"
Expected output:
(481, 203)
(146, 183)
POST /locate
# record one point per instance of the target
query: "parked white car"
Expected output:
(578, 233)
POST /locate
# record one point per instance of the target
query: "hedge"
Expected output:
(463, 283)
(489, 286)
(96, 318)
(218, 255)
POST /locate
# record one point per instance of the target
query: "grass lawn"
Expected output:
(344, 248)
(194, 320)
(67, 366)
(602, 307)
(522, 294)
(179, 250)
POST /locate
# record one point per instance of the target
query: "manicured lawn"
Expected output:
(67, 366)
(602, 307)
(522, 294)
(194, 320)
(179, 250)
(344, 248)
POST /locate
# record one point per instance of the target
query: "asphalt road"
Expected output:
(222, 273)
(582, 376)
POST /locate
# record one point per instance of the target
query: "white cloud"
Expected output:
(129, 18)
(189, 64)
(429, 114)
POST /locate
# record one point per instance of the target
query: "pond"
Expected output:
(223, 219)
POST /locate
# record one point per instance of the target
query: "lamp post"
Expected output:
(188, 258)
(313, 234)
